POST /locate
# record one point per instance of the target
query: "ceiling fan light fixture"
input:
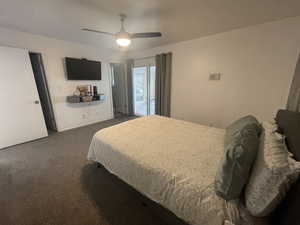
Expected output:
(123, 38)
(123, 42)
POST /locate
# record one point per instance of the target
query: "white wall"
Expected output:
(257, 64)
(53, 52)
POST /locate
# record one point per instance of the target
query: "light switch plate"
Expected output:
(215, 76)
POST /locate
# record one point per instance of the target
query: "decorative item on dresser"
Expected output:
(85, 93)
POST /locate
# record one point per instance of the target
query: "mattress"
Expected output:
(173, 163)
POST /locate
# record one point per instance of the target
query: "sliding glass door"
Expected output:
(144, 90)
(140, 91)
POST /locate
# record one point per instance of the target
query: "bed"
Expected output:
(173, 163)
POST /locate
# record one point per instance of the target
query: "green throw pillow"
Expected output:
(241, 149)
(239, 124)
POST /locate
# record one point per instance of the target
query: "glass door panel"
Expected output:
(144, 90)
(152, 90)
(140, 91)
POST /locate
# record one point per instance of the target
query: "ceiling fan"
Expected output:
(123, 38)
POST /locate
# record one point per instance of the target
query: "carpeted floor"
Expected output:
(50, 182)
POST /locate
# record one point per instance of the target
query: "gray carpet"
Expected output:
(50, 182)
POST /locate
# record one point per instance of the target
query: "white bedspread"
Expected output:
(172, 162)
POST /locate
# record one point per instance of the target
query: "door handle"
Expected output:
(36, 102)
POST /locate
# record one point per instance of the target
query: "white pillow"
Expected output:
(270, 126)
(272, 174)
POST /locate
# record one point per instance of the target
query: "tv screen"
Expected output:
(83, 69)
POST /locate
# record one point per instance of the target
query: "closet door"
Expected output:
(21, 116)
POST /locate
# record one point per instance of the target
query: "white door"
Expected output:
(21, 116)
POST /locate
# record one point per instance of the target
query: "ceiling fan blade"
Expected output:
(97, 31)
(146, 35)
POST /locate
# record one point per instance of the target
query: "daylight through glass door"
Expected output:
(144, 90)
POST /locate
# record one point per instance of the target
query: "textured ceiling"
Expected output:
(178, 20)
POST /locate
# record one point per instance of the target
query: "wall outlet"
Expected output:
(215, 76)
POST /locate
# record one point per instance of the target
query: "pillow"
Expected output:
(270, 126)
(288, 211)
(239, 124)
(272, 175)
(240, 153)
(289, 125)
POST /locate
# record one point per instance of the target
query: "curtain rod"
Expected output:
(148, 57)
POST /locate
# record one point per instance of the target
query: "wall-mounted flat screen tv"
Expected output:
(83, 69)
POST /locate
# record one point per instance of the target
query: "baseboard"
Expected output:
(84, 124)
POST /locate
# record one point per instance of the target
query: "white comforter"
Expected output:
(173, 163)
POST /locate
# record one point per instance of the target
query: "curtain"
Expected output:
(293, 103)
(129, 66)
(119, 88)
(163, 84)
